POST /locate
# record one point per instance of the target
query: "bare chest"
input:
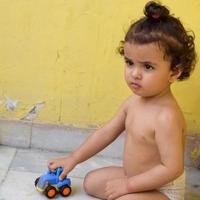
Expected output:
(140, 126)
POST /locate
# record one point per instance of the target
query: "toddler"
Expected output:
(157, 51)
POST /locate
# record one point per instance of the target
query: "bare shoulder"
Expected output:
(129, 102)
(170, 114)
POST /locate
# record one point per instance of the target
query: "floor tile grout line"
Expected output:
(8, 169)
(31, 135)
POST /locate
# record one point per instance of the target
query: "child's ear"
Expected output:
(175, 73)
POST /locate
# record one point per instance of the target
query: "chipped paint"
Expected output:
(32, 114)
(11, 104)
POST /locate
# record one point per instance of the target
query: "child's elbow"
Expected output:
(178, 171)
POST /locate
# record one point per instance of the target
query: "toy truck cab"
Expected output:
(50, 184)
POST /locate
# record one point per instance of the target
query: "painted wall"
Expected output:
(58, 60)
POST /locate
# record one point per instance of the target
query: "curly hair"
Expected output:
(168, 32)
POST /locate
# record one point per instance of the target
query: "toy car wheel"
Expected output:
(36, 181)
(50, 192)
(65, 191)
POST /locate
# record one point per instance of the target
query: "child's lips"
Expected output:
(135, 85)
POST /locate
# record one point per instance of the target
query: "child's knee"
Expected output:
(87, 183)
(93, 185)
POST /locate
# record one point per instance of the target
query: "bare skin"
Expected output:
(154, 139)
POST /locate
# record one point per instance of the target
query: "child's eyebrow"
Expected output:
(128, 59)
(148, 62)
(141, 62)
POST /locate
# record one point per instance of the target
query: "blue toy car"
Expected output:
(50, 184)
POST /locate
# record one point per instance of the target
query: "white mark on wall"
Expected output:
(34, 111)
(11, 104)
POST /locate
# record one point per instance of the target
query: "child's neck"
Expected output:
(164, 95)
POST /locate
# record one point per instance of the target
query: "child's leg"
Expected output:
(155, 195)
(95, 181)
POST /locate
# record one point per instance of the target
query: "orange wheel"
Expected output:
(50, 192)
(65, 191)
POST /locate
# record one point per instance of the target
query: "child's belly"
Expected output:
(139, 156)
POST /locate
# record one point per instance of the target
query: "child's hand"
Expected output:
(116, 188)
(67, 164)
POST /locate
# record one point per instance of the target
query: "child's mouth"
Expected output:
(135, 85)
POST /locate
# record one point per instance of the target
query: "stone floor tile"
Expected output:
(6, 156)
(3, 173)
(33, 160)
(36, 161)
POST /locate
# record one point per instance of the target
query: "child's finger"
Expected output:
(49, 163)
(52, 165)
(63, 175)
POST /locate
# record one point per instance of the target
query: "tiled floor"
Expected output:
(20, 167)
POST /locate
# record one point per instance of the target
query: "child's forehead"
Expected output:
(132, 46)
(149, 50)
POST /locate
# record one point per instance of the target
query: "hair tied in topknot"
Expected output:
(155, 10)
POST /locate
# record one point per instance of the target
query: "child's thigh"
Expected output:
(155, 195)
(95, 181)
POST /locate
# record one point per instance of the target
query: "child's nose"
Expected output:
(136, 73)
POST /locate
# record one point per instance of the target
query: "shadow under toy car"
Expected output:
(50, 184)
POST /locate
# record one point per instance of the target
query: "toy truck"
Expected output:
(50, 185)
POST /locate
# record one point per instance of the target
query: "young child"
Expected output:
(157, 51)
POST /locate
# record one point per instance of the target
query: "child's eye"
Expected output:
(148, 66)
(129, 62)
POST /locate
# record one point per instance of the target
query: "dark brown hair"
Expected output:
(168, 32)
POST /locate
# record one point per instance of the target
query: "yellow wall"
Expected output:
(63, 53)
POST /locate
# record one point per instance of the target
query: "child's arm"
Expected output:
(94, 144)
(169, 138)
